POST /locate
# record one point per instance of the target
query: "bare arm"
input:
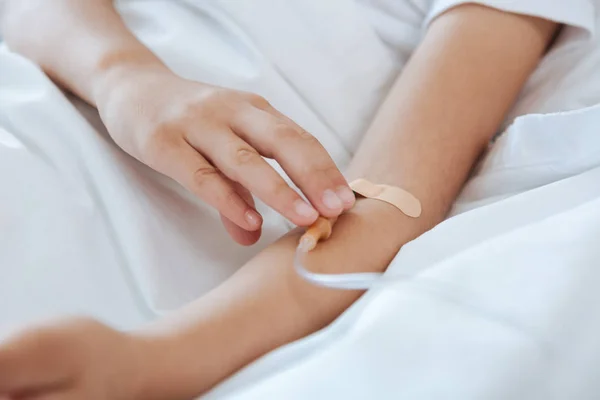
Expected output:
(76, 43)
(439, 116)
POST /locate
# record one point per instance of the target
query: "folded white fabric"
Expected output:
(88, 230)
(500, 306)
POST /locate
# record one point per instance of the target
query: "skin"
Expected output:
(209, 139)
(429, 132)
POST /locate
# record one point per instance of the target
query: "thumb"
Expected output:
(240, 235)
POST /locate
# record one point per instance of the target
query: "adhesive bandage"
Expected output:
(399, 198)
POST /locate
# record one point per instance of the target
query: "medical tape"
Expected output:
(399, 198)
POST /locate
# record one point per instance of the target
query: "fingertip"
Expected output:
(303, 222)
(346, 195)
(254, 220)
(332, 205)
(240, 235)
(304, 214)
(305, 211)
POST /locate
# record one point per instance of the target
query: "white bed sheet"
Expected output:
(500, 300)
(85, 229)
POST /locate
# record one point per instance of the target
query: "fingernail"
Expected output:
(305, 210)
(253, 218)
(331, 200)
(346, 195)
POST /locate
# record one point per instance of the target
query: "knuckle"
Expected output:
(216, 100)
(214, 94)
(283, 131)
(231, 199)
(307, 136)
(189, 111)
(279, 188)
(329, 170)
(163, 132)
(215, 103)
(258, 101)
(156, 141)
(199, 112)
(204, 175)
(245, 155)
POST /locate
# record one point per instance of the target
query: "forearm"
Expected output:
(76, 42)
(266, 304)
(430, 131)
(449, 101)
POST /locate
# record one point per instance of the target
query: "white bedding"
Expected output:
(502, 299)
(501, 303)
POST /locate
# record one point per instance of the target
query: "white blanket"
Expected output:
(502, 299)
(500, 302)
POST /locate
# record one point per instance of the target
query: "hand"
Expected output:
(211, 140)
(72, 360)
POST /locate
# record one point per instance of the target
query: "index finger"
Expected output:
(300, 154)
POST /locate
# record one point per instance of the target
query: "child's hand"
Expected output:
(211, 140)
(72, 360)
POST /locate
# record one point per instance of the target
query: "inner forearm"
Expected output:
(77, 43)
(449, 101)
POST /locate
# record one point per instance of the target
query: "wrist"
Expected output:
(117, 69)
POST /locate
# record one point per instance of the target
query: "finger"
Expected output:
(339, 184)
(35, 359)
(241, 236)
(179, 160)
(300, 154)
(241, 163)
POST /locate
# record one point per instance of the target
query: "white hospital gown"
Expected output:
(87, 229)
